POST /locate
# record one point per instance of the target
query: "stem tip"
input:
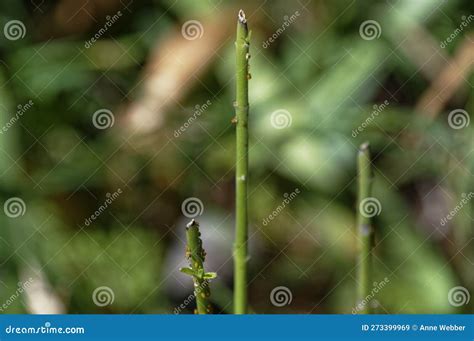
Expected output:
(364, 146)
(192, 223)
(241, 17)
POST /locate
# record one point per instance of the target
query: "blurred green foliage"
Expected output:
(319, 70)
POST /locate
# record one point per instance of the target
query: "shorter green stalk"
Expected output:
(365, 230)
(196, 256)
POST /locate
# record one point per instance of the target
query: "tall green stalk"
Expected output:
(365, 230)
(241, 176)
(196, 255)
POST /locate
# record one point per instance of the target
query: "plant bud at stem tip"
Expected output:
(364, 147)
(241, 17)
(192, 223)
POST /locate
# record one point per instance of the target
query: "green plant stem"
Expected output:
(196, 256)
(241, 119)
(365, 230)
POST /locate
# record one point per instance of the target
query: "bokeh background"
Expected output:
(124, 108)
